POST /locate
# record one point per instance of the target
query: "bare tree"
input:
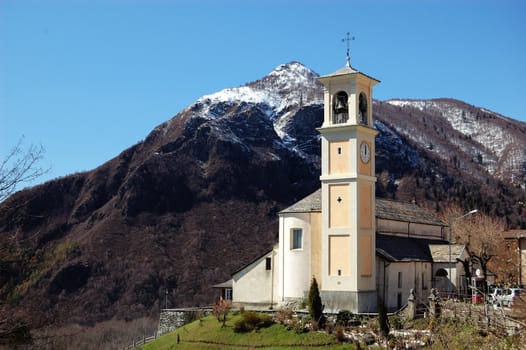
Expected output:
(483, 244)
(481, 234)
(507, 263)
(20, 166)
(221, 309)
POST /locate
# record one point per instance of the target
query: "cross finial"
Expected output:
(348, 39)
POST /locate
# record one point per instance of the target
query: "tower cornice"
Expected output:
(345, 73)
(346, 177)
(350, 128)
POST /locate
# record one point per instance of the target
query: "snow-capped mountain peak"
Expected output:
(291, 76)
(280, 95)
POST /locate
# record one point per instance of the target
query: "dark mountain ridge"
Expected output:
(198, 198)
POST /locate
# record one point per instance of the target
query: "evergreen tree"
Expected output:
(315, 305)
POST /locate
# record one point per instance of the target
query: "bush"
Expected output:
(299, 326)
(396, 322)
(283, 316)
(344, 318)
(251, 321)
(339, 333)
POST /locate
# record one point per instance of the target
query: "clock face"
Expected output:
(365, 152)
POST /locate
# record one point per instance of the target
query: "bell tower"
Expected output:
(348, 278)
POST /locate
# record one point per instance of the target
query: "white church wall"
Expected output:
(257, 283)
(396, 279)
(295, 263)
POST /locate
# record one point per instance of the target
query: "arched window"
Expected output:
(362, 109)
(441, 273)
(340, 108)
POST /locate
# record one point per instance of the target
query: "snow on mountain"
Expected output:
(492, 139)
(455, 131)
(389, 139)
(464, 121)
(280, 94)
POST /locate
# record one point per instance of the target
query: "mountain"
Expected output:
(198, 198)
(455, 152)
(495, 142)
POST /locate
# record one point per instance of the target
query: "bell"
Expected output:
(340, 106)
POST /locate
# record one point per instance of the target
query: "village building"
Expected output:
(362, 250)
(515, 242)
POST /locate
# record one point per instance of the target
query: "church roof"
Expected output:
(226, 284)
(440, 252)
(396, 248)
(345, 71)
(255, 260)
(385, 209)
(407, 212)
(342, 71)
(306, 205)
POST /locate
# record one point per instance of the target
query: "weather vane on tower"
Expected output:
(348, 40)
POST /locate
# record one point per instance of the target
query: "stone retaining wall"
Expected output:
(171, 319)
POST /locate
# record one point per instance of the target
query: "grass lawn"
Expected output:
(208, 333)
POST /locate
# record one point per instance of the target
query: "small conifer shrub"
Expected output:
(315, 305)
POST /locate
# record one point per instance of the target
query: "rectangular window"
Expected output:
(297, 237)
(268, 263)
(400, 279)
(228, 293)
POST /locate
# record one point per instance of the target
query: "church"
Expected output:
(362, 250)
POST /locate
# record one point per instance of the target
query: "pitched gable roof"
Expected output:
(253, 261)
(395, 248)
(440, 252)
(407, 212)
(311, 203)
(385, 209)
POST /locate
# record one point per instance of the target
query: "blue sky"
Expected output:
(88, 78)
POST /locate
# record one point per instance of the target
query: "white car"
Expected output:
(495, 296)
(511, 295)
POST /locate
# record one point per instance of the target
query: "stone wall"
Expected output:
(499, 320)
(171, 319)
